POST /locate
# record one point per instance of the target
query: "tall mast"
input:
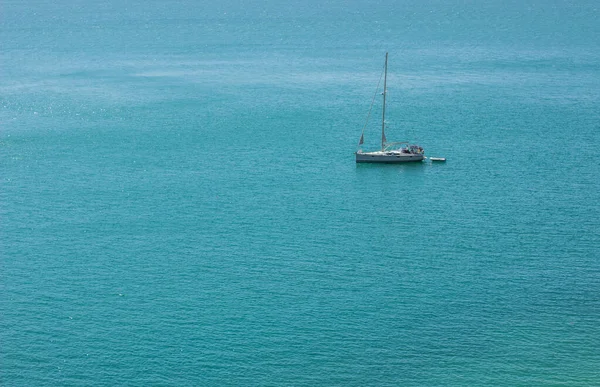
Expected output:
(383, 139)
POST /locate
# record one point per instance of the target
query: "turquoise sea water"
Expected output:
(180, 203)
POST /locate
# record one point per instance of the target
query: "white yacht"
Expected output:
(394, 152)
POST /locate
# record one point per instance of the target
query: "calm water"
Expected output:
(180, 203)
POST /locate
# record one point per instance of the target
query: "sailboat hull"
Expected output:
(388, 157)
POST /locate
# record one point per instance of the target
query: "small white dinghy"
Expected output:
(442, 159)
